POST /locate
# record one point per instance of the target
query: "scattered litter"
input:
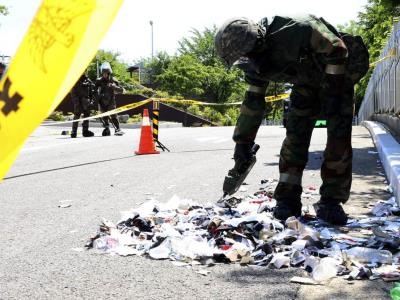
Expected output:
(242, 230)
(303, 280)
(64, 205)
(243, 189)
(203, 272)
(389, 189)
(327, 268)
(180, 264)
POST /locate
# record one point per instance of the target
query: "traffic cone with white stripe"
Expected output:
(146, 145)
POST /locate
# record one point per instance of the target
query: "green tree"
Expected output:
(201, 45)
(156, 66)
(197, 72)
(3, 10)
(183, 77)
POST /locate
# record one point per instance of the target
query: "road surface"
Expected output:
(101, 176)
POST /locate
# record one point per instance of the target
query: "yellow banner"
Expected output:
(61, 41)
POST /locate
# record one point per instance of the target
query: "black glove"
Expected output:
(243, 152)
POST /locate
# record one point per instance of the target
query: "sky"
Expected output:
(130, 34)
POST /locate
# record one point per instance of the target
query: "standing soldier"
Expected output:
(107, 87)
(323, 66)
(82, 94)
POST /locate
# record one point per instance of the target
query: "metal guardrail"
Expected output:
(382, 95)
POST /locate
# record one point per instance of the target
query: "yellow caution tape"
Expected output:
(196, 102)
(61, 40)
(166, 100)
(391, 53)
(105, 114)
(277, 97)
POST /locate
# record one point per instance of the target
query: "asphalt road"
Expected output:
(101, 176)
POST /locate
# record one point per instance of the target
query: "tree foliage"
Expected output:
(3, 10)
(119, 68)
(374, 24)
(197, 72)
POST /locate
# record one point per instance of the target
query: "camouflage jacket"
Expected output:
(296, 51)
(107, 88)
(84, 88)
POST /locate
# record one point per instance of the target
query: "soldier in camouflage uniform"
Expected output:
(309, 53)
(107, 87)
(81, 95)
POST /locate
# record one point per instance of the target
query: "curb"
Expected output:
(389, 153)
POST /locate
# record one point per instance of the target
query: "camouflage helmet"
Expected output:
(235, 38)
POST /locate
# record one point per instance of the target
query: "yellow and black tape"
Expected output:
(156, 116)
(165, 100)
(105, 114)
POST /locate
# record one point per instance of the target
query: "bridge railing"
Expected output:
(382, 95)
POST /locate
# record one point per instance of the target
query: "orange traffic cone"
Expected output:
(146, 145)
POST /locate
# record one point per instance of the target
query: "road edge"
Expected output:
(389, 153)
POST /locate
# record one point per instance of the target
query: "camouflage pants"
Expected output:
(107, 106)
(336, 170)
(81, 106)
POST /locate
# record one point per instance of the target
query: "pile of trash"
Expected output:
(244, 231)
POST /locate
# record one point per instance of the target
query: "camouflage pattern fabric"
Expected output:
(81, 95)
(336, 170)
(357, 64)
(252, 112)
(235, 38)
(106, 106)
(106, 90)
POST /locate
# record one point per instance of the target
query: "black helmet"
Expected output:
(237, 37)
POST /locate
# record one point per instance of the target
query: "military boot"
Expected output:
(287, 207)
(288, 200)
(331, 211)
(87, 133)
(119, 132)
(106, 132)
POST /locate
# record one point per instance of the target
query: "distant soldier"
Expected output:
(2, 69)
(106, 88)
(81, 95)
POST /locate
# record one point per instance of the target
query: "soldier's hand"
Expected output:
(243, 152)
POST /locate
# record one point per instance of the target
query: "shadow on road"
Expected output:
(277, 282)
(68, 167)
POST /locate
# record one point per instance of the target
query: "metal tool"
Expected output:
(233, 182)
